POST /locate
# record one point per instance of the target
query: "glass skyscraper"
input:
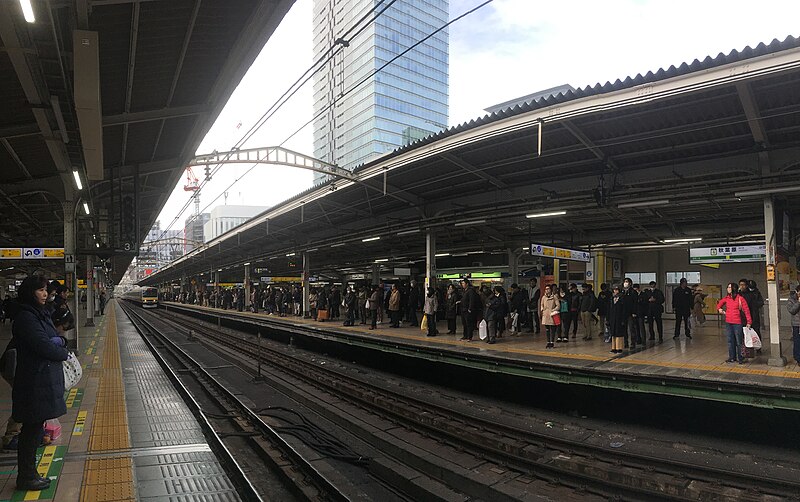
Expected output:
(404, 102)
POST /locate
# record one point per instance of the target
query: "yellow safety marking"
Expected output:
(80, 422)
(96, 359)
(71, 397)
(109, 420)
(710, 367)
(93, 343)
(108, 479)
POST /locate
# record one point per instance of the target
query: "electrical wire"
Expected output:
(340, 42)
(352, 89)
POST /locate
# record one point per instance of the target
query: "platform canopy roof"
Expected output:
(165, 70)
(668, 155)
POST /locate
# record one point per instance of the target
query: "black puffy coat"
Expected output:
(38, 392)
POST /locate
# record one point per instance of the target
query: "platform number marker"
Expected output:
(80, 422)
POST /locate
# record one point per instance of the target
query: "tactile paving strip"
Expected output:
(158, 417)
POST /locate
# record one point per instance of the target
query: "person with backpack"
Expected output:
(793, 304)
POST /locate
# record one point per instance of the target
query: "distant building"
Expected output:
(224, 218)
(194, 231)
(406, 101)
(524, 100)
(159, 248)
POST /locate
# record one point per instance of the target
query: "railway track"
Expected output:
(576, 464)
(225, 418)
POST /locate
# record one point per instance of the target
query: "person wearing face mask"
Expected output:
(629, 300)
(616, 320)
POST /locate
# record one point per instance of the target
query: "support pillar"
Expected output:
(376, 274)
(776, 357)
(89, 292)
(306, 285)
(513, 266)
(70, 259)
(430, 260)
(247, 286)
(599, 269)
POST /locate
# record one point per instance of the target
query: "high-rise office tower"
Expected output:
(404, 102)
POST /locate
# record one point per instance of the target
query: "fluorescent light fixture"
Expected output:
(408, 232)
(381, 260)
(644, 203)
(246, 264)
(77, 176)
(687, 239)
(468, 223)
(370, 239)
(544, 215)
(86, 208)
(97, 244)
(475, 252)
(442, 254)
(219, 270)
(289, 254)
(460, 254)
(337, 245)
(27, 10)
(767, 191)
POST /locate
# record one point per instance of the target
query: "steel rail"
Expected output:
(327, 490)
(643, 462)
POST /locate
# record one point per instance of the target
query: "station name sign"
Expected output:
(560, 253)
(31, 253)
(728, 254)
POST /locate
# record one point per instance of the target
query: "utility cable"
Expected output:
(360, 83)
(340, 42)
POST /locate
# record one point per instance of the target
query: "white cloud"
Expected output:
(506, 50)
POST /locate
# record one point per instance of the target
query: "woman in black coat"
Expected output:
(451, 308)
(38, 392)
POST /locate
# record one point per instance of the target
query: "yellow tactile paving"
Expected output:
(109, 479)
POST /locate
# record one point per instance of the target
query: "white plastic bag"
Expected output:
(483, 330)
(72, 371)
(751, 339)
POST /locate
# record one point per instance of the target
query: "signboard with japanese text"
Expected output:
(560, 253)
(728, 254)
(10, 253)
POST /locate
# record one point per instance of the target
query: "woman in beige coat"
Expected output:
(549, 305)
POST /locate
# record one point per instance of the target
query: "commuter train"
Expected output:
(146, 297)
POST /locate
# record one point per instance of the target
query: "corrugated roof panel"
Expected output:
(115, 31)
(218, 25)
(162, 29)
(761, 49)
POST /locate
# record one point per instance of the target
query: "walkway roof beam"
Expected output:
(474, 170)
(149, 115)
(752, 112)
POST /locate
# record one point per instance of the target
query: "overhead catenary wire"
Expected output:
(343, 40)
(356, 86)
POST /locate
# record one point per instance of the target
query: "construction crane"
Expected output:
(193, 185)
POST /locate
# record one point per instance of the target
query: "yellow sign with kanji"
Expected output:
(10, 253)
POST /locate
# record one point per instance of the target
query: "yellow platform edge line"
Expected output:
(109, 479)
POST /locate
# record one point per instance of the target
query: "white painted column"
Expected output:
(306, 285)
(776, 357)
(70, 278)
(430, 260)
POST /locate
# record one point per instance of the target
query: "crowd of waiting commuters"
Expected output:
(626, 316)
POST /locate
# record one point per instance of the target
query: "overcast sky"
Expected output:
(508, 49)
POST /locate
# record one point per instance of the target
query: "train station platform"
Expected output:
(685, 368)
(127, 434)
